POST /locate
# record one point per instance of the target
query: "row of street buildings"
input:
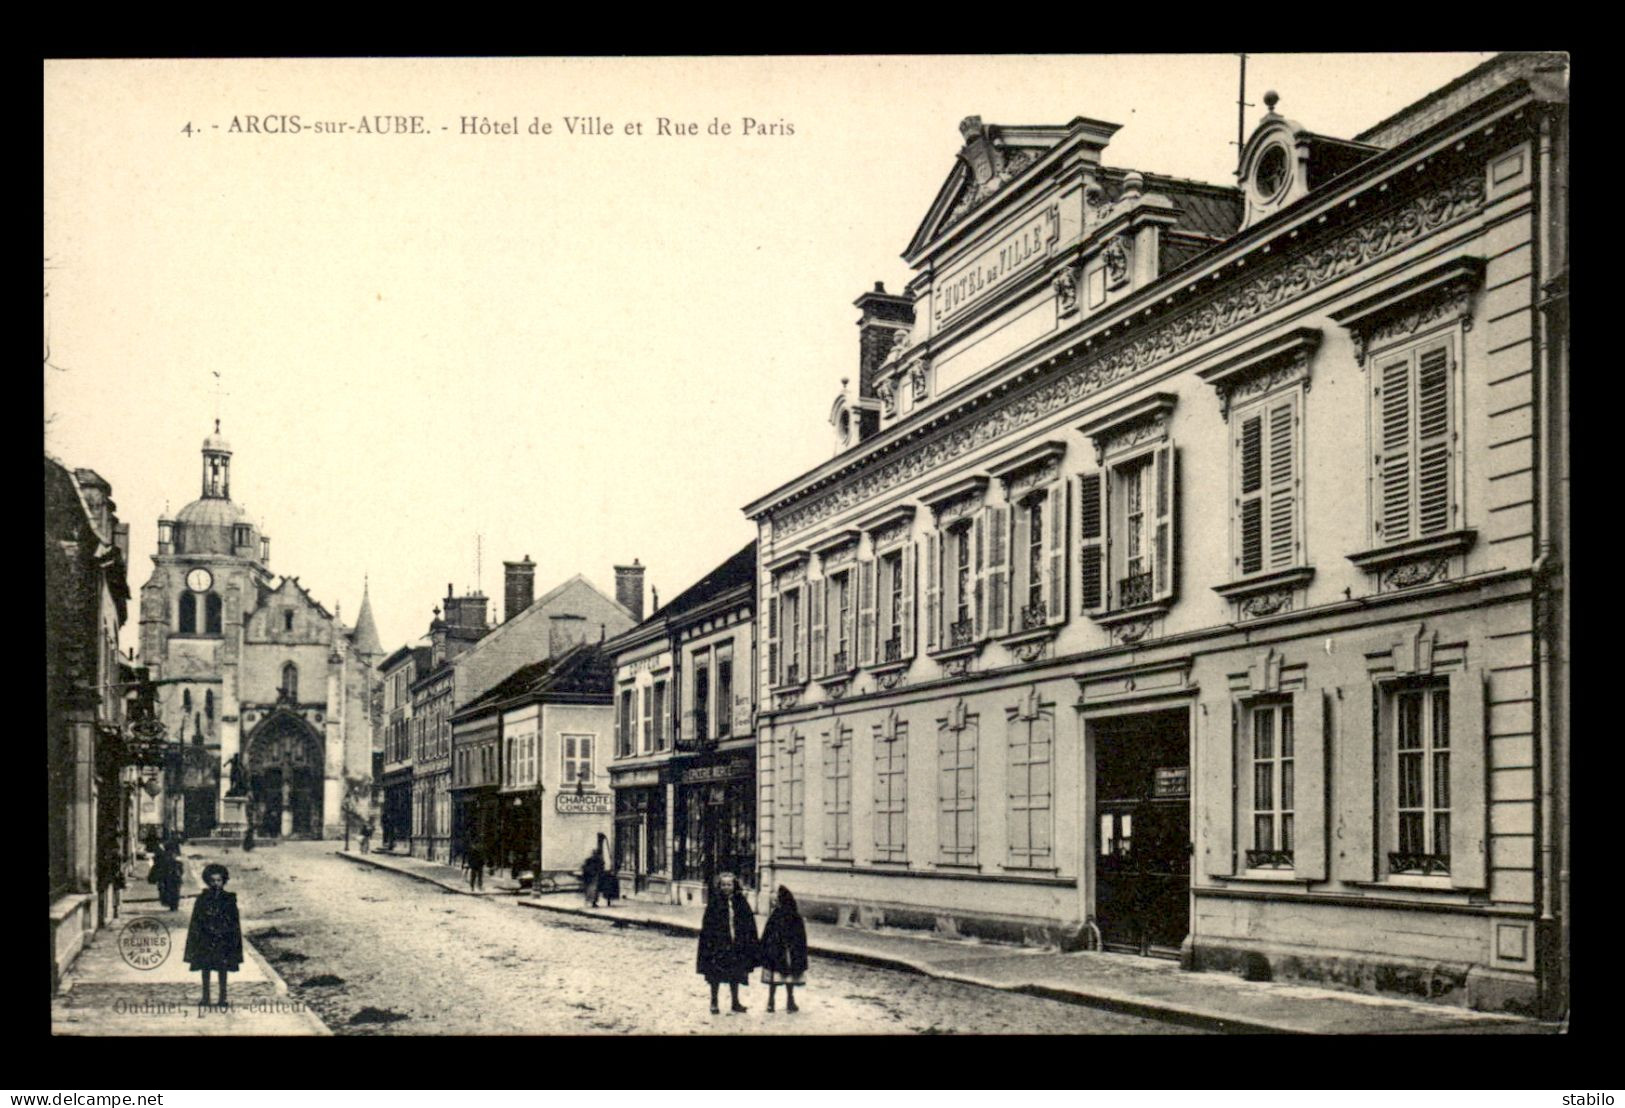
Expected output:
(1187, 580)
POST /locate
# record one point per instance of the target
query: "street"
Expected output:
(374, 952)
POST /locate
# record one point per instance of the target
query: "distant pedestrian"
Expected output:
(728, 947)
(248, 839)
(366, 837)
(167, 872)
(591, 870)
(474, 858)
(214, 941)
(784, 950)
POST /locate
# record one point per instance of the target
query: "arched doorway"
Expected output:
(285, 777)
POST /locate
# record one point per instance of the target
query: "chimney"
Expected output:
(884, 317)
(518, 587)
(629, 589)
(467, 612)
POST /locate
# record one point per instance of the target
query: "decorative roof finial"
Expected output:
(1271, 98)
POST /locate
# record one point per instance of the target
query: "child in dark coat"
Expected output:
(728, 946)
(784, 951)
(215, 939)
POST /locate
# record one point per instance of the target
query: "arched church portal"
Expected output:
(284, 756)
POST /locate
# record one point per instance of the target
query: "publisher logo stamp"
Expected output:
(144, 943)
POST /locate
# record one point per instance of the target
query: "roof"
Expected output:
(365, 635)
(1476, 82)
(736, 571)
(584, 672)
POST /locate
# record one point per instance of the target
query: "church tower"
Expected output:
(260, 686)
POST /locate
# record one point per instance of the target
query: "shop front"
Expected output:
(640, 850)
(715, 818)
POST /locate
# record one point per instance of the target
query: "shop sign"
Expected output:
(630, 778)
(1173, 781)
(583, 804)
(717, 771)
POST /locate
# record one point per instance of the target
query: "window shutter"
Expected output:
(1020, 550)
(1092, 541)
(1056, 517)
(1433, 441)
(1166, 581)
(1394, 444)
(866, 612)
(773, 677)
(1309, 785)
(1283, 484)
(933, 589)
(907, 616)
(647, 741)
(979, 576)
(1217, 784)
(1468, 746)
(1355, 831)
(999, 600)
(817, 661)
(1250, 464)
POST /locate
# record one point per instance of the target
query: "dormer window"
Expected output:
(1270, 175)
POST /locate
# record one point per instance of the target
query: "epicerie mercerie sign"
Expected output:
(582, 804)
(1015, 252)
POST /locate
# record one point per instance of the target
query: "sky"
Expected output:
(440, 350)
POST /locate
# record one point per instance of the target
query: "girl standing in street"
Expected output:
(728, 946)
(784, 951)
(215, 939)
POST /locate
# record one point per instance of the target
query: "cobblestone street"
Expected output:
(372, 952)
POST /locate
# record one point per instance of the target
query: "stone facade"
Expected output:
(1192, 608)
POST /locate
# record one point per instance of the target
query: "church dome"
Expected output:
(210, 526)
(211, 511)
(217, 444)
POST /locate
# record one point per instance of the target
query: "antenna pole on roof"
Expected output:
(1241, 112)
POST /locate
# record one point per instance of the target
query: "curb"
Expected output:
(280, 985)
(428, 879)
(1112, 1002)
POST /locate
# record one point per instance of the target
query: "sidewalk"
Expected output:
(104, 994)
(1148, 987)
(454, 879)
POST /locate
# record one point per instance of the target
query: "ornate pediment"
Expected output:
(1444, 292)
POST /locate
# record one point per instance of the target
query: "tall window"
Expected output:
(188, 613)
(891, 794)
(1034, 509)
(962, 576)
(1030, 789)
(1126, 526)
(702, 696)
(578, 760)
(287, 619)
(660, 714)
(212, 608)
(838, 795)
(648, 741)
(1267, 486)
(891, 577)
(956, 794)
(1413, 430)
(623, 733)
(1422, 751)
(792, 787)
(725, 690)
(1272, 786)
(290, 681)
(792, 629)
(840, 632)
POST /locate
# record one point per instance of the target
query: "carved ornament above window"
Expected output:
(1441, 294)
(1031, 469)
(958, 500)
(1262, 367)
(1141, 422)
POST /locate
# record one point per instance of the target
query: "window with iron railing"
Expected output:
(1273, 783)
(1422, 774)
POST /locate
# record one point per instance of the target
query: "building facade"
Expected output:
(269, 693)
(89, 828)
(684, 770)
(396, 674)
(530, 778)
(1195, 588)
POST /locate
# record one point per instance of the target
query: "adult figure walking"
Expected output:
(248, 839)
(728, 945)
(475, 859)
(167, 872)
(214, 941)
(591, 870)
(784, 950)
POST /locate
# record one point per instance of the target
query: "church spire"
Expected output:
(365, 635)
